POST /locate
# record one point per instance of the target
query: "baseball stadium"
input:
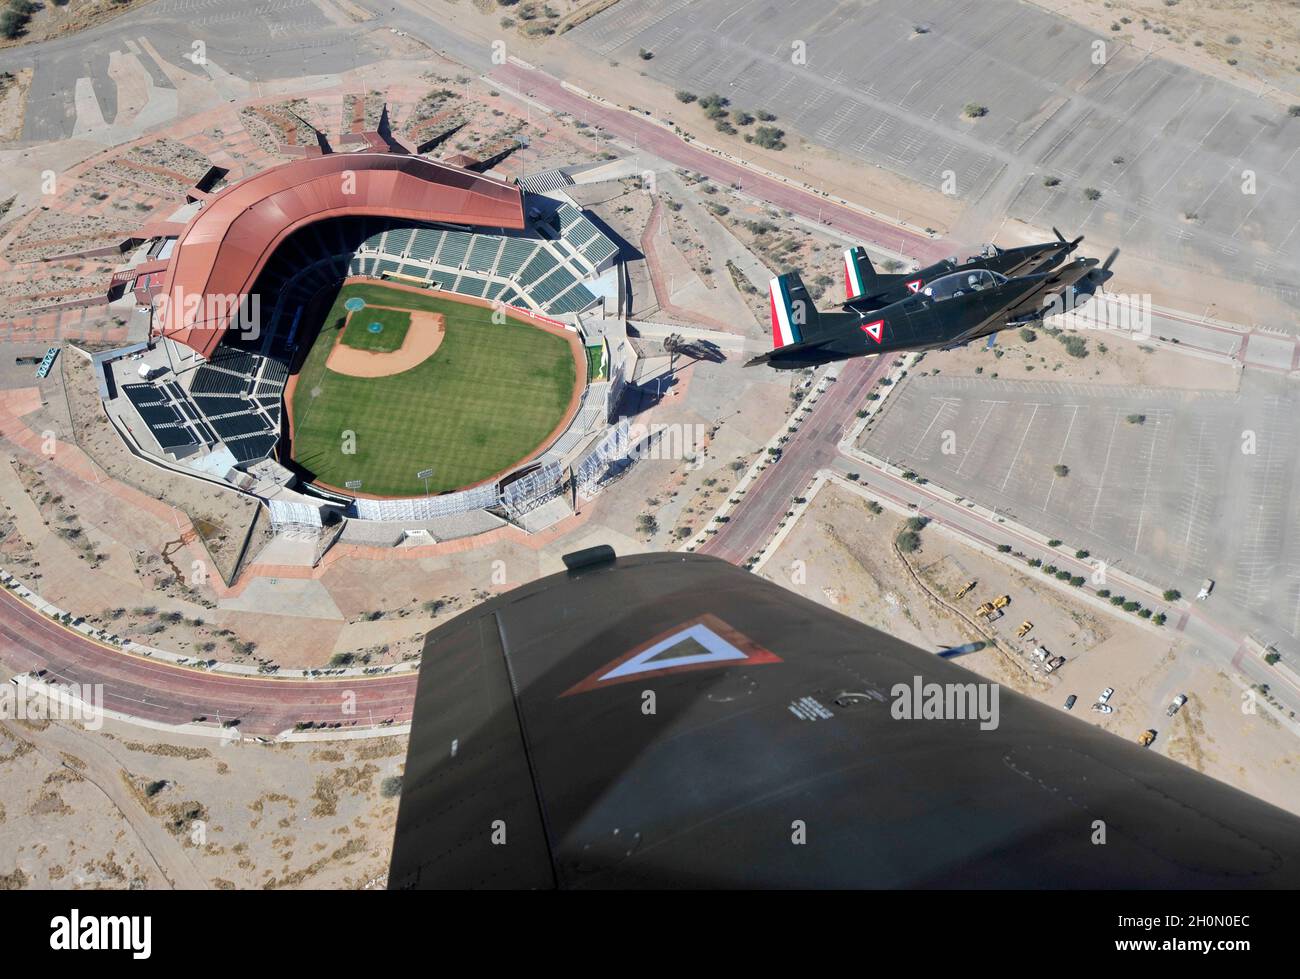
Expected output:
(377, 336)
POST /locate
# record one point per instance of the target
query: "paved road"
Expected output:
(665, 145)
(158, 691)
(814, 446)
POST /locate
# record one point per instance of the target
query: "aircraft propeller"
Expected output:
(1061, 238)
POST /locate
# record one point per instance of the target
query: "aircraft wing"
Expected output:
(670, 720)
(1031, 306)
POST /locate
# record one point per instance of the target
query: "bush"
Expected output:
(1004, 548)
(973, 110)
(1091, 194)
(1028, 335)
(12, 24)
(685, 97)
(1131, 606)
(1054, 542)
(1077, 581)
(1158, 618)
(1061, 470)
(1051, 181)
(769, 137)
(916, 523)
(1081, 554)
(391, 787)
(1103, 592)
(908, 541)
(1171, 595)
(1075, 346)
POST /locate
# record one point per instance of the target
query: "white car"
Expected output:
(1176, 704)
(1106, 695)
(1103, 708)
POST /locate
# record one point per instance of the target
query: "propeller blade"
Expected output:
(1071, 245)
(1105, 266)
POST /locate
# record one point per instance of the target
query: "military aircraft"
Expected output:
(673, 721)
(948, 311)
(867, 289)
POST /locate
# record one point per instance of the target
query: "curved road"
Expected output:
(158, 691)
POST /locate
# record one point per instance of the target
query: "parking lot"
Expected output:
(1166, 147)
(1197, 485)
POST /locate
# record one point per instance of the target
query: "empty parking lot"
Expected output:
(1176, 486)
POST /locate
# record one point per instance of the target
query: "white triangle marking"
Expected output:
(719, 651)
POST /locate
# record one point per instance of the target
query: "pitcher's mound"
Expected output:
(422, 339)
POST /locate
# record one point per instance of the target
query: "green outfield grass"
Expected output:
(484, 401)
(393, 324)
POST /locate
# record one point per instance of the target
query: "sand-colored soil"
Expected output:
(422, 340)
(841, 555)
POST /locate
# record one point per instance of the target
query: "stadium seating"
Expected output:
(235, 397)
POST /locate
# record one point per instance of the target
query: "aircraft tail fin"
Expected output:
(859, 273)
(794, 317)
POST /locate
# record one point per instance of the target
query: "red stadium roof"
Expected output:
(225, 246)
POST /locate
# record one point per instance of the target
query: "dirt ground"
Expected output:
(1111, 360)
(222, 517)
(848, 563)
(54, 19)
(13, 104)
(1262, 36)
(422, 340)
(120, 808)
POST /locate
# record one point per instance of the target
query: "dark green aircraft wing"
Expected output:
(673, 721)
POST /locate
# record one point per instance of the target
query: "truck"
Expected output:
(1024, 629)
(1055, 664)
(961, 592)
(1176, 704)
(1207, 586)
(1147, 738)
(1002, 601)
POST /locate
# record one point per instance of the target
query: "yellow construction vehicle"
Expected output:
(1147, 738)
(961, 592)
(1002, 601)
(985, 609)
(1024, 629)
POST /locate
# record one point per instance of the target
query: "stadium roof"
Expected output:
(225, 246)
